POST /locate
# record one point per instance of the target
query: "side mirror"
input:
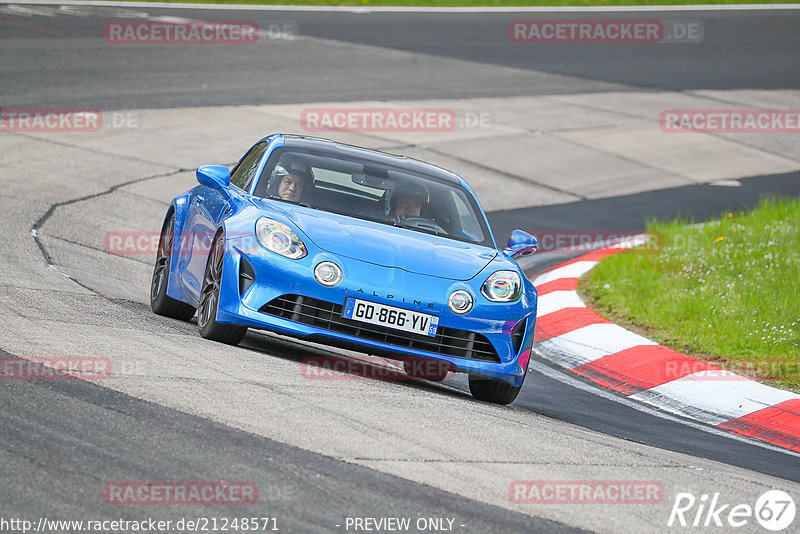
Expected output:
(520, 244)
(216, 176)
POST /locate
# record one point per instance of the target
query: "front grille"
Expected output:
(327, 315)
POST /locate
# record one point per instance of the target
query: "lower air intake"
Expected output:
(327, 315)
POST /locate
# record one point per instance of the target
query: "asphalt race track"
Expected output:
(571, 143)
(739, 51)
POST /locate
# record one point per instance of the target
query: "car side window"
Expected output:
(243, 174)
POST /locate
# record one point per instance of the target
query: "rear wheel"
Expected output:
(490, 390)
(160, 303)
(209, 300)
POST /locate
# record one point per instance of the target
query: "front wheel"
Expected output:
(494, 391)
(160, 303)
(209, 300)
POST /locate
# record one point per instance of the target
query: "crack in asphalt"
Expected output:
(53, 207)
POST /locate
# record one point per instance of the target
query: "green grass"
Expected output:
(727, 291)
(457, 3)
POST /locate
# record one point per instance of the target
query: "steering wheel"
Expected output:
(423, 224)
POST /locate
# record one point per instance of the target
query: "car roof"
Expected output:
(326, 145)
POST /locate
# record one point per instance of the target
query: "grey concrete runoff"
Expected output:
(75, 188)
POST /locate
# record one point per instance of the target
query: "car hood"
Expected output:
(389, 246)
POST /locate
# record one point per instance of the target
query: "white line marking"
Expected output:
(713, 397)
(23, 11)
(557, 300)
(726, 183)
(573, 270)
(412, 9)
(588, 344)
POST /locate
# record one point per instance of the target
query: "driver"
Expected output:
(292, 185)
(408, 200)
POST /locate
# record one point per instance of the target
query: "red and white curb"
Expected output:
(586, 344)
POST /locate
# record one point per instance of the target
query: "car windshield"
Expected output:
(377, 192)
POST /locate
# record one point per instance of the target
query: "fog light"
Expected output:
(460, 301)
(328, 273)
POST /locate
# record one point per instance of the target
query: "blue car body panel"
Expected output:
(380, 263)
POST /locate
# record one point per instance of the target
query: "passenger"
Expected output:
(408, 200)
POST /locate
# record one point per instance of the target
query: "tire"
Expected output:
(209, 300)
(432, 370)
(494, 391)
(160, 303)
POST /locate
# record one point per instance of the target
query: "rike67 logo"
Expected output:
(774, 510)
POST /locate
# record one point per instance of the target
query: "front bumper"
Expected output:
(493, 340)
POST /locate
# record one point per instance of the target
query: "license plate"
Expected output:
(390, 317)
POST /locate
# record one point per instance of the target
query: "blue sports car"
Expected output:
(350, 247)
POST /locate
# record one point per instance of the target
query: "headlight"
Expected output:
(328, 273)
(280, 239)
(460, 301)
(502, 286)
